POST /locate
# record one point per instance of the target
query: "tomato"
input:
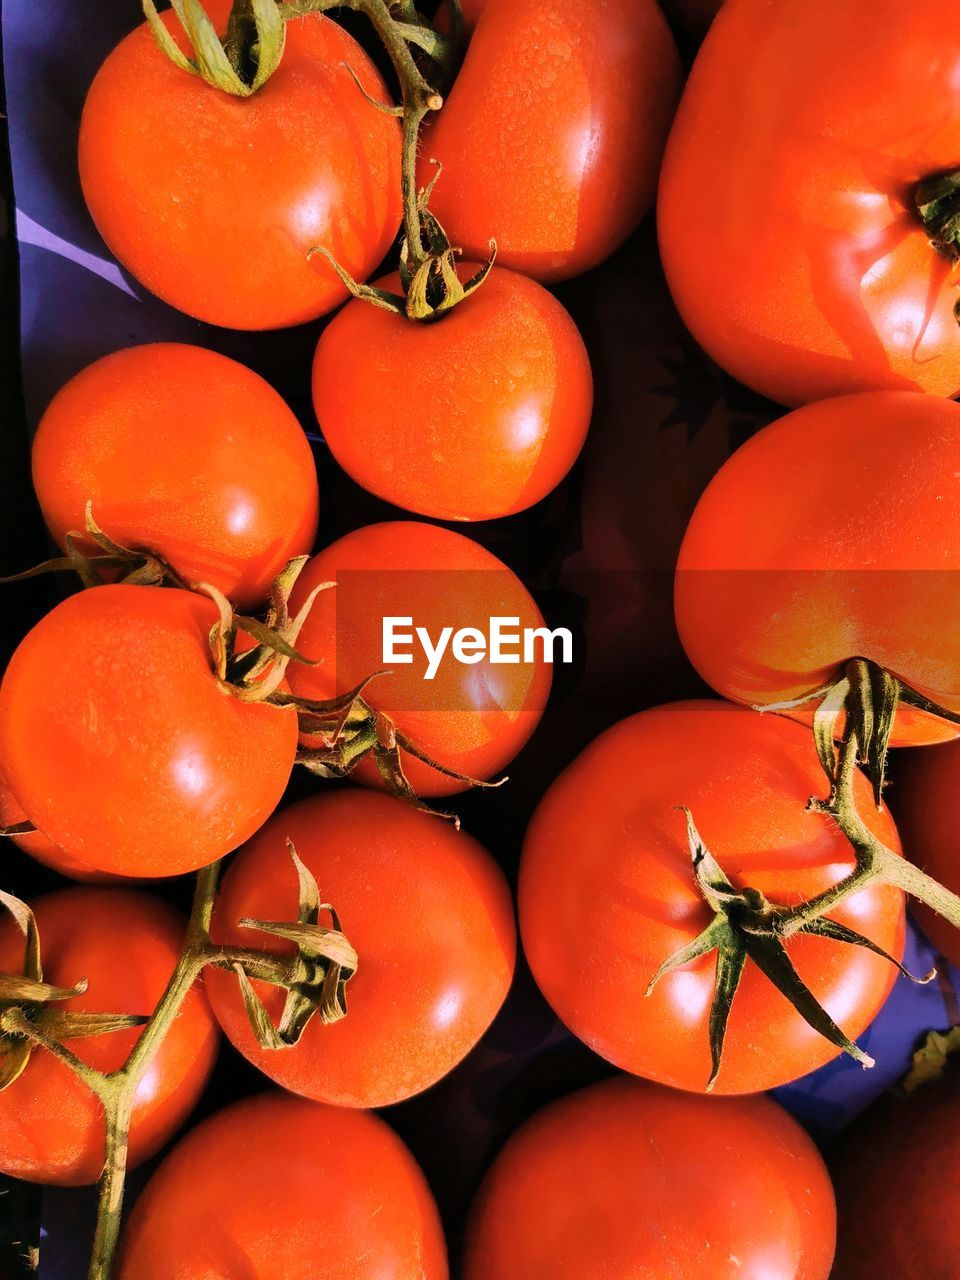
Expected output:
(226, 493)
(120, 744)
(787, 221)
(925, 801)
(831, 535)
(36, 843)
(625, 1179)
(214, 202)
(607, 893)
(278, 1186)
(898, 1187)
(551, 137)
(507, 380)
(126, 945)
(472, 718)
(435, 966)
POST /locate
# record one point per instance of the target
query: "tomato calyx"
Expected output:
(316, 981)
(865, 697)
(243, 61)
(136, 566)
(428, 271)
(346, 730)
(746, 925)
(937, 1056)
(28, 1006)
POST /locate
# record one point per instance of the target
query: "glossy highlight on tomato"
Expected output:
(607, 893)
(119, 743)
(495, 413)
(277, 1186)
(214, 202)
(787, 221)
(831, 535)
(125, 944)
(551, 138)
(430, 916)
(184, 453)
(626, 1179)
(470, 718)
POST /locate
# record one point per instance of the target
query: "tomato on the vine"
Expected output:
(125, 944)
(498, 399)
(788, 224)
(430, 916)
(472, 717)
(120, 744)
(625, 1179)
(607, 894)
(214, 202)
(36, 843)
(833, 534)
(278, 1186)
(185, 453)
(551, 138)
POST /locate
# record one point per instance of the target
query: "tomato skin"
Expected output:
(214, 202)
(473, 719)
(831, 535)
(607, 894)
(625, 1179)
(925, 801)
(226, 493)
(818, 278)
(118, 742)
(434, 968)
(375, 1219)
(898, 1186)
(508, 384)
(552, 135)
(37, 845)
(126, 944)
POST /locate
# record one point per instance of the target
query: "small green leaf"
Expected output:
(717, 931)
(824, 927)
(313, 939)
(69, 1024)
(731, 957)
(211, 57)
(825, 720)
(14, 1056)
(166, 41)
(263, 1028)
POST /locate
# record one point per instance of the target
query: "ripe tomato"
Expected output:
(625, 1179)
(898, 1187)
(214, 202)
(120, 744)
(925, 800)
(829, 536)
(507, 380)
(787, 223)
(607, 893)
(551, 137)
(431, 917)
(278, 1186)
(126, 945)
(471, 718)
(226, 492)
(36, 843)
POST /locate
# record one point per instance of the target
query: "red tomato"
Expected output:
(277, 1186)
(925, 799)
(552, 135)
(787, 222)
(607, 893)
(36, 843)
(473, 718)
(833, 534)
(435, 964)
(624, 1179)
(226, 492)
(214, 202)
(507, 380)
(126, 945)
(120, 744)
(898, 1187)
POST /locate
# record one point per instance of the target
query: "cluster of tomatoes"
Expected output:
(245, 163)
